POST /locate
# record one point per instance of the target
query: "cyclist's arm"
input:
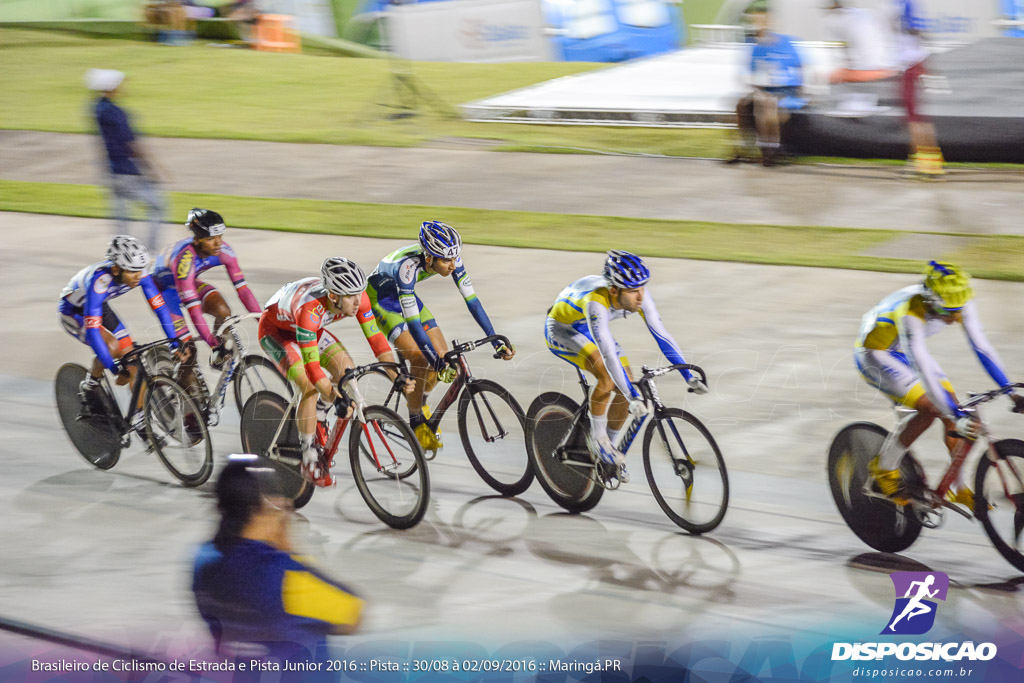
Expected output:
(411, 312)
(184, 269)
(92, 313)
(476, 308)
(230, 261)
(667, 344)
(911, 329)
(982, 348)
(597, 321)
(378, 342)
(307, 324)
(159, 306)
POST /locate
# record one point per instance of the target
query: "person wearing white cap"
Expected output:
(132, 173)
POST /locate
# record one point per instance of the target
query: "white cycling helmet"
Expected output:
(127, 253)
(340, 275)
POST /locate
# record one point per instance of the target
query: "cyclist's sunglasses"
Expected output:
(942, 310)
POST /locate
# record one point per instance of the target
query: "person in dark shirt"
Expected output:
(132, 174)
(255, 594)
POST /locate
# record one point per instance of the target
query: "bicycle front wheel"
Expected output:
(92, 432)
(256, 373)
(492, 426)
(378, 449)
(686, 471)
(178, 432)
(999, 499)
(882, 524)
(261, 416)
(570, 482)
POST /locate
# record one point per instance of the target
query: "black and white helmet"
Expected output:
(440, 239)
(340, 275)
(127, 253)
(205, 223)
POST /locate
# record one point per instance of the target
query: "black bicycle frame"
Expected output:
(133, 357)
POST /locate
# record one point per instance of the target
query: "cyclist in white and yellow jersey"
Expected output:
(577, 331)
(892, 357)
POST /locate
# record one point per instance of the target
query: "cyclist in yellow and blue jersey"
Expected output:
(410, 325)
(577, 331)
(892, 357)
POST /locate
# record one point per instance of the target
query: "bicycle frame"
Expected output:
(214, 402)
(133, 357)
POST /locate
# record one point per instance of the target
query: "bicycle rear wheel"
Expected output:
(257, 373)
(570, 483)
(378, 448)
(261, 415)
(95, 436)
(492, 427)
(686, 471)
(177, 430)
(999, 485)
(882, 524)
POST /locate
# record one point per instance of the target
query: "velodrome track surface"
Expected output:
(108, 554)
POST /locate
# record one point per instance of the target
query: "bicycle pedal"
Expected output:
(431, 454)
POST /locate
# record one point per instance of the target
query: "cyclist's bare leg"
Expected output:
(305, 414)
(214, 304)
(601, 394)
(907, 433)
(422, 372)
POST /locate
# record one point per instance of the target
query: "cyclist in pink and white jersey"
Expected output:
(177, 273)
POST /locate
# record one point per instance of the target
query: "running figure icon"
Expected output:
(915, 595)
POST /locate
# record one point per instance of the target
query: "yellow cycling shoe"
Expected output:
(426, 416)
(427, 438)
(888, 482)
(964, 497)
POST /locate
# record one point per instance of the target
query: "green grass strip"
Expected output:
(994, 257)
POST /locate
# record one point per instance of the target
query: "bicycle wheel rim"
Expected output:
(999, 500)
(398, 502)
(97, 439)
(177, 430)
(686, 471)
(493, 431)
(881, 524)
(261, 415)
(256, 373)
(566, 484)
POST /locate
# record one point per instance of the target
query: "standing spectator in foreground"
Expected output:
(776, 74)
(132, 173)
(925, 155)
(253, 592)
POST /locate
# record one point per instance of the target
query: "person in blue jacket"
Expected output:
(776, 74)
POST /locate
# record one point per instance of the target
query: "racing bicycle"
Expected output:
(491, 421)
(890, 526)
(684, 466)
(171, 423)
(386, 458)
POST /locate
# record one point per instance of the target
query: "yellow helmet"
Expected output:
(949, 285)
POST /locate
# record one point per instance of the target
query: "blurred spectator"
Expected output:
(867, 40)
(905, 15)
(255, 595)
(776, 74)
(246, 13)
(175, 20)
(132, 173)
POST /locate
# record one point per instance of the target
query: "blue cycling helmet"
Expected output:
(440, 239)
(625, 270)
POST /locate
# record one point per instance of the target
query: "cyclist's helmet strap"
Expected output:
(205, 223)
(440, 240)
(947, 286)
(342, 276)
(625, 270)
(127, 253)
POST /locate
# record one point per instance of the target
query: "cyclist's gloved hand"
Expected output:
(504, 351)
(1018, 403)
(405, 383)
(968, 427)
(697, 385)
(342, 405)
(447, 374)
(219, 355)
(118, 367)
(638, 407)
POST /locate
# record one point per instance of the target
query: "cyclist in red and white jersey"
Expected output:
(292, 332)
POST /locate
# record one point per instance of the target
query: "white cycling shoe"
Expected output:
(602, 447)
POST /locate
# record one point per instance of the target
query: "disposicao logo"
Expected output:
(914, 614)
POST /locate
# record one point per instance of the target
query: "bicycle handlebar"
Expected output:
(648, 373)
(986, 396)
(233, 320)
(460, 348)
(377, 368)
(131, 356)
